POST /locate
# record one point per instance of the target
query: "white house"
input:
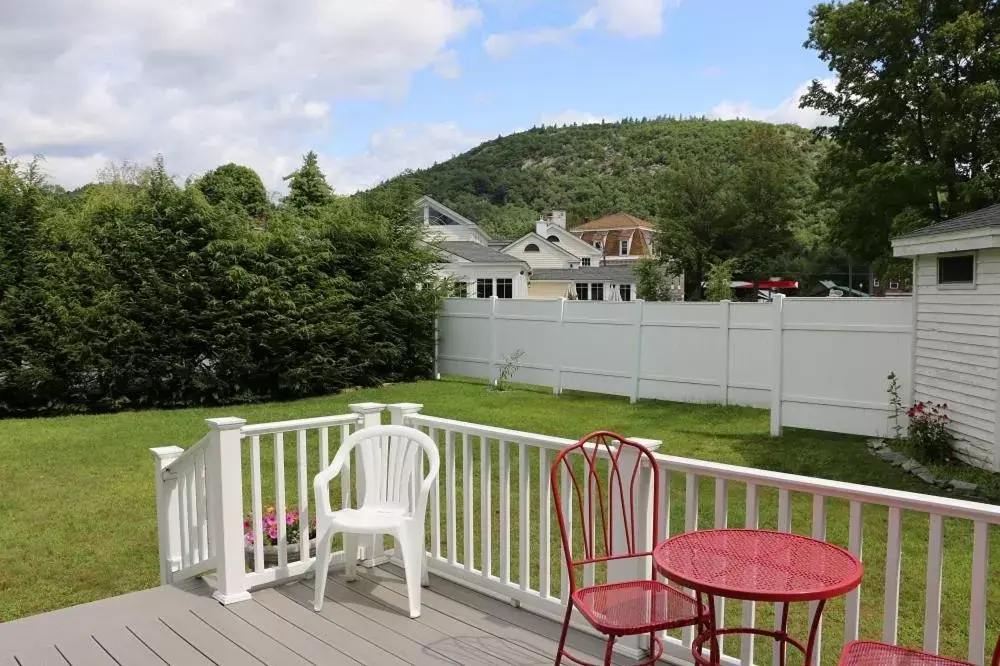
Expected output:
(956, 304)
(478, 270)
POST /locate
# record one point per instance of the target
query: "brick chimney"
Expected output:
(557, 217)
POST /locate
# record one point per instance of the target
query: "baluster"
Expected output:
(749, 607)
(435, 504)
(852, 604)
(544, 523)
(818, 532)
(345, 474)
(183, 511)
(664, 527)
(890, 617)
(504, 453)
(302, 461)
(566, 493)
(932, 604)
(523, 517)
(690, 525)
(468, 501)
(450, 483)
(199, 467)
(485, 506)
(257, 504)
(977, 607)
(193, 537)
(721, 522)
(784, 525)
(588, 529)
(279, 492)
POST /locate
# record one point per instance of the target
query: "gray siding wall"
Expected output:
(956, 351)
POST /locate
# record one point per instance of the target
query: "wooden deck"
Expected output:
(364, 622)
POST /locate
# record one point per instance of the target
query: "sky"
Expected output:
(373, 86)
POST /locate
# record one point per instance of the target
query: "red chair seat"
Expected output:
(870, 653)
(635, 607)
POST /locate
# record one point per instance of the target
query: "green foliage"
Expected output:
(508, 367)
(928, 432)
(720, 279)
(917, 114)
(650, 280)
(307, 187)
(143, 293)
(589, 171)
(895, 405)
(744, 205)
(237, 185)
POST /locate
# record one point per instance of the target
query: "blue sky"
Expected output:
(379, 86)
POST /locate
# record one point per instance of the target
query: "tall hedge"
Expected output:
(147, 295)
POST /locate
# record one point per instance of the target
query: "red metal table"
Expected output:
(757, 565)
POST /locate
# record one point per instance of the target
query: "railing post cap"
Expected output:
(651, 444)
(366, 407)
(226, 423)
(166, 452)
(406, 407)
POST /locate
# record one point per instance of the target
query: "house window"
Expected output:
(553, 239)
(505, 288)
(484, 288)
(582, 292)
(625, 291)
(957, 269)
(893, 285)
(585, 261)
(623, 250)
(597, 291)
(460, 290)
(531, 247)
(599, 245)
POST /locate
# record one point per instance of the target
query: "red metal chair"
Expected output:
(603, 468)
(870, 653)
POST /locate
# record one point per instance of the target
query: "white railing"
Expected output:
(491, 527)
(206, 493)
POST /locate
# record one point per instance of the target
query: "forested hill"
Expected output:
(588, 170)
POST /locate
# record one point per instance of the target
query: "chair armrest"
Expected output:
(321, 482)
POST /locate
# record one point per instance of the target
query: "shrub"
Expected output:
(928, 432)
(269, 525)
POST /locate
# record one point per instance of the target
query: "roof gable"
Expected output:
(585, 249)
(543, 241)
(614, 221)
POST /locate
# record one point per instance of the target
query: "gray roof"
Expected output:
(985, 217)
(476, 253)
(621, 273)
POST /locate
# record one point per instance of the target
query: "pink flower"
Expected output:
(273, 532)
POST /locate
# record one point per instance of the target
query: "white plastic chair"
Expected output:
(394, 501)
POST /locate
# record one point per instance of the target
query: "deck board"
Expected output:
(363, 623)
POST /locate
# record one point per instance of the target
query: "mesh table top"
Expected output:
(759, 565)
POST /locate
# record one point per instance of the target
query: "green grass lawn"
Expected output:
(78, 512)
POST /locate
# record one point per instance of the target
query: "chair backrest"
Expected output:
(391, 460)
(602, 472)
(996, 653)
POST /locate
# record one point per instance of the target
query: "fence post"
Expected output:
(224, 474)
(370, 415)
(557, 383)
(168, 519)
(637, 369)
(777, 328)
(493, 339)
(724, 330)
(437, 349)
(637, 568)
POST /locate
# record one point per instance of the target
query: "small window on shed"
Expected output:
(956, 269)
(531, 247)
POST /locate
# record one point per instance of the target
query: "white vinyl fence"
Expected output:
(818, 363)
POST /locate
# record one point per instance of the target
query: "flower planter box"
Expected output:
(271, 554)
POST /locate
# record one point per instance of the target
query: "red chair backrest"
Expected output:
(602, 471)
(996, 653)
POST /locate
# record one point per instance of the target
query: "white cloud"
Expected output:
(395, 149)
(205, 81)
(572, 116)
(787, 111)
(630, 18)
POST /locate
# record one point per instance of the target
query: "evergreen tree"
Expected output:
(307, 187)
(237, 185)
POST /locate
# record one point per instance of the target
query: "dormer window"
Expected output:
(624, 248)
(531, 247)
(599, 245)
(553, 239)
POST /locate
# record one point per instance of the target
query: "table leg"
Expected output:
(782, 645)
(812, 632)
(714, 652)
